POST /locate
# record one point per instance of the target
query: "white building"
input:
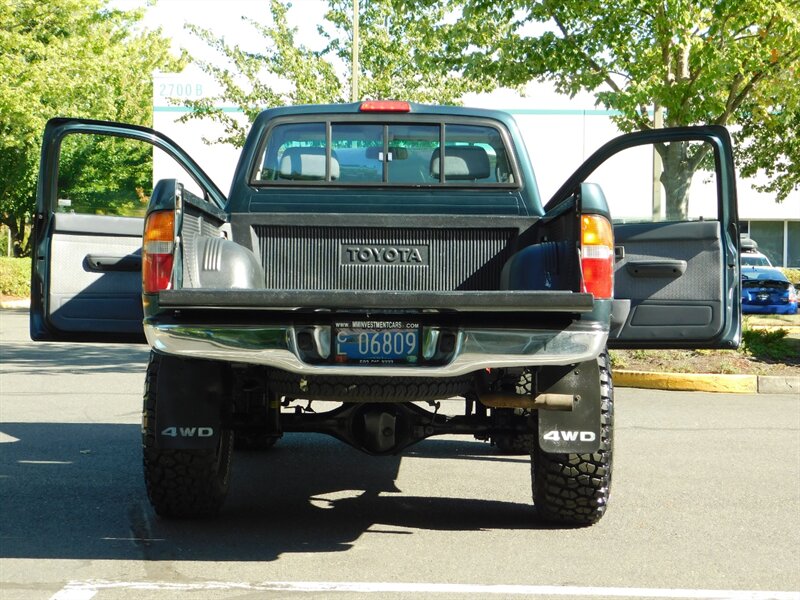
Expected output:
(559, 132)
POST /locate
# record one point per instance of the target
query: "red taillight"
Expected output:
(385, 106)
(597, 256)
(157, 256)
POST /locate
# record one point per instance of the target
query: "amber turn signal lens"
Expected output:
(597, 256)
(157, 251)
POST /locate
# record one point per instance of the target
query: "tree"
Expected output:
(770, 134)
(397, 60)
(66, 58)
(399, 52)
(283, 72)
(726, 62)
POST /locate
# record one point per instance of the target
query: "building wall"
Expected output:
(559, 132)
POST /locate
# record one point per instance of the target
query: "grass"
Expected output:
(766, 349)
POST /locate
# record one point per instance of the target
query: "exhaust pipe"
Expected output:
(540, 402)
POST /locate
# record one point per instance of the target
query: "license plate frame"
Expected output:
(385, 342)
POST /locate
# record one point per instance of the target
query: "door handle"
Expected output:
(108, 264)
(656, 268)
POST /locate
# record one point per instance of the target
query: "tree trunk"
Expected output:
(16, 231)
(677, 179)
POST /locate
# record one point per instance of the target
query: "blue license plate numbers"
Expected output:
(376, 342)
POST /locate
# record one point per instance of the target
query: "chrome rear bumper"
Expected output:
(475, 348)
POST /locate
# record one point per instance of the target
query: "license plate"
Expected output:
(376, 342)
(763, 297)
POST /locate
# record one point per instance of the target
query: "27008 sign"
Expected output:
(377, 342)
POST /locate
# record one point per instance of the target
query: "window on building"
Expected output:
(769, 235)
(793, 244)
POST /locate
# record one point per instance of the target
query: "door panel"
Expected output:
(104, 294)
(95, 180)
(671, 299)
(671, 196)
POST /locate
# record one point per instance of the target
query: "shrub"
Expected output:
(764, 344)
(15, 277)
(618, 359)
(792, 275)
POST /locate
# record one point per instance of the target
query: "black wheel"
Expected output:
(573, 489)
(515, 443)
(182, 483)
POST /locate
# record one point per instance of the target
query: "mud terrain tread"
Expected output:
(181, 483)
(373, 389)
(573, 489)
(518, 444)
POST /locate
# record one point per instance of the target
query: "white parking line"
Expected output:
(74, 593)
(85, 590)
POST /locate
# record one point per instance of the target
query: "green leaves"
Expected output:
(282, 72)
(66, 58)
(729, 62)
(400, 58)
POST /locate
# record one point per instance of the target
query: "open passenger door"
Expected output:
(671, 194)
(95, 179)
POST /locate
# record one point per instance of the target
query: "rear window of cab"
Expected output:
(385, 153)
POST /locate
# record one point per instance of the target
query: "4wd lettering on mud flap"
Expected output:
(570, 436)
(188, 431)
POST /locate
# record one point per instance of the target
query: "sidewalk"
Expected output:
(687, 382)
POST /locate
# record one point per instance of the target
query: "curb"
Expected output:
(16, 303)
(708, 382)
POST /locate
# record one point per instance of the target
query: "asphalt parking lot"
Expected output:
(704, 504)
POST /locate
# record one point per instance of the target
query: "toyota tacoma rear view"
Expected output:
(372, 260)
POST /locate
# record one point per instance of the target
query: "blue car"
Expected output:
(766, 290)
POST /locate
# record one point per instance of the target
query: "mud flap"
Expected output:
(190, 399)
(576, 431)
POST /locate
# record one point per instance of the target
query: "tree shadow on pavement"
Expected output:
(76, 491)
(51, 358)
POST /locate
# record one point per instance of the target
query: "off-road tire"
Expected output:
(342, 388)
(518, 444)
(573, 489)
(182, 483)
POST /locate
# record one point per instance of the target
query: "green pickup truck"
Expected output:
(376, 258)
